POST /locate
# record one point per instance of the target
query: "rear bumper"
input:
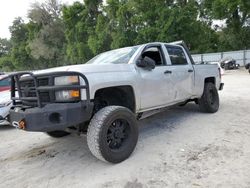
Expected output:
(51, 117)
(221, 86)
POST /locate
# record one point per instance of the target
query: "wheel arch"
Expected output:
(122, 95)
(210, 80)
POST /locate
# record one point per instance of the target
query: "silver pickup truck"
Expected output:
(106, 96)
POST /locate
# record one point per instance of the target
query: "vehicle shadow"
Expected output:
(6, 127)
(169, 119)
(53, 159)
(71, 152)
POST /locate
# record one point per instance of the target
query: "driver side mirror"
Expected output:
(146, 62)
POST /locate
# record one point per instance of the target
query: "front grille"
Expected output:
(30, 82)
(28, 90)
(24, 91)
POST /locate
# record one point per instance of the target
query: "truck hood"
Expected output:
(89, 68)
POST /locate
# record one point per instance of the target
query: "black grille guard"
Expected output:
(15, 86)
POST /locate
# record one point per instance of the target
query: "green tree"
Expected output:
(100, 40)
(142, 21)
(236, 34)
(76, 32)
(6, 63)
(5, 47)
(57, 34)
(5, 59)
(46, 34)
(80, 22)
(122, 26)
(20, 57)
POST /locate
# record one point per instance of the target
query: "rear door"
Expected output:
(182, 72)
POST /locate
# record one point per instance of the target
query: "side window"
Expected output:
(5, 82)
(155, 54)
(177, 55)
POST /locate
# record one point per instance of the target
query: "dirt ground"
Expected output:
(180, 147)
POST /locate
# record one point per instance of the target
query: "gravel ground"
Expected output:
(180, 147)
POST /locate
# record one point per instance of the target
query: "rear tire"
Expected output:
(112, 134)
(247, 65)
(58, 134)
(209, 101)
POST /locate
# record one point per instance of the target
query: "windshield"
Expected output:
(118, 56)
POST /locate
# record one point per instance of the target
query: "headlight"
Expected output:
(66, 80)
(67, 95)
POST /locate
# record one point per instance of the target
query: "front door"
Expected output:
(155, 88)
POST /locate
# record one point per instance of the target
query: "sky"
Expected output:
(10, 9)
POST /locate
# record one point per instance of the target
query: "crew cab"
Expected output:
(106, 96)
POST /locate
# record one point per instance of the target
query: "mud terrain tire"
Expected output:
(112, 134)
(209, 101)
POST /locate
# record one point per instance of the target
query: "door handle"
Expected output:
(168, 72)
(190, 70)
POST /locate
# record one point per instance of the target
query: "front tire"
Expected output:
(112, 134)
(209, 101)
(58, 134)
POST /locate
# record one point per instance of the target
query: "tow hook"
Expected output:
(20, 125)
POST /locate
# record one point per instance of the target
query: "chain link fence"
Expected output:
(242, 57)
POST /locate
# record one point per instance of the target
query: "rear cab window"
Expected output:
(176, 55)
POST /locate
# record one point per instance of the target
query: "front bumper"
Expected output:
(51, 117)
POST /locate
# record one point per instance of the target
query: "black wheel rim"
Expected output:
(117, 134)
